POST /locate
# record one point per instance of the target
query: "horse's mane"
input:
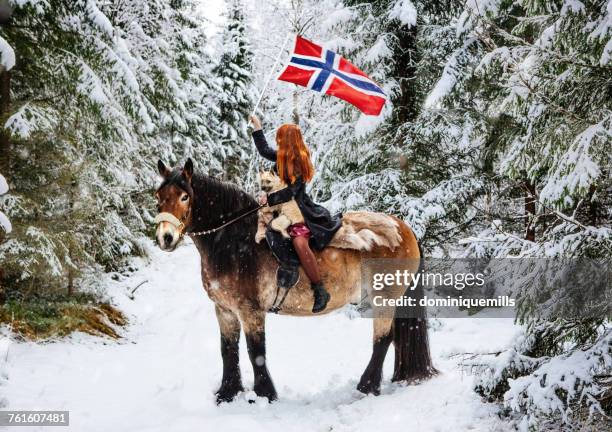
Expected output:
(228, 196)
(232, 249)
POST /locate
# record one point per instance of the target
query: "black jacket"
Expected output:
(319, 221)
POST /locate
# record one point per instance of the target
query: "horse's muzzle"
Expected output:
(167, 236)
(169, 231)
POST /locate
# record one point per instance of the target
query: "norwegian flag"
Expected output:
(325, 71)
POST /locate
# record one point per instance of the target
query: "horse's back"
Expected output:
(341, 268)
(377, 233)
(407, 248)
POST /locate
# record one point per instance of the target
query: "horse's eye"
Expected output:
(185, 197)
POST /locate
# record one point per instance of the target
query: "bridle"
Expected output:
(171, 219)
(180, 225)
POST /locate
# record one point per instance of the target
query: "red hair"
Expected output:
(293, 157)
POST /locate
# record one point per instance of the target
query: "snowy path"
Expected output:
(162, 375)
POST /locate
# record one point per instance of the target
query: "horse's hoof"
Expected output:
(369, 387)
(267, 392)
(223, 398)
(252, 398)
(227, 394)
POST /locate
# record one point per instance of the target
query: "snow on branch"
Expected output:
(475, 9)
(90, 84)
(99, 19)
(601, 29)
(29, 119)
(405, 12)
(5, 224)
(7, 54)
(450, 75)
(576, 170)
(539, 387)
(3, 185)
(38, 5)
(561, 382)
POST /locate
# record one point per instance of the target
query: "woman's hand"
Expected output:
(263, 199)
(256, 122)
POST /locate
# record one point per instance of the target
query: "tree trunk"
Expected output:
(2, 289)
(406, 103)
(5, 103)
(296, 113)
(5, 148)
(70, 282)
(530, 210)
(594, 210)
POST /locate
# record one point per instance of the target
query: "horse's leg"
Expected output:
(383, 335)
(231, 383)
(253, 322)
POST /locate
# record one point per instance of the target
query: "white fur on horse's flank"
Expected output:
(364, 230)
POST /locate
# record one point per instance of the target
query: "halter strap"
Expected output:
(171, 219)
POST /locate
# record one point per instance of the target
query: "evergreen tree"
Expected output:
(99, 91)
(235, 97)
(531, 81)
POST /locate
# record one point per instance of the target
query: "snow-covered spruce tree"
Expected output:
(7, 62)
(235, 95)
(53, 91)
(187, 87)
(98, 92)
(538, 75)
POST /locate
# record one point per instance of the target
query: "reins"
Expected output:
(170, 218)
(236, 219)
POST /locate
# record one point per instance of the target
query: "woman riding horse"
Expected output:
(239, 276)
(293, 165)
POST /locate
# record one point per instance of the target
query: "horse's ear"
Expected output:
(163, 169)
(188, 169)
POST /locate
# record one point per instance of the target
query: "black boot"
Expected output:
(321, 297)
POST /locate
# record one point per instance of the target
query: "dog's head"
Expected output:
(269, 182)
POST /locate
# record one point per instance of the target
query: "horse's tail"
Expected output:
(412, 357)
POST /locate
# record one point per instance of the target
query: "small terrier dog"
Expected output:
(288, 213)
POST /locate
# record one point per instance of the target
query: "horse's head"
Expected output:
(174, 204)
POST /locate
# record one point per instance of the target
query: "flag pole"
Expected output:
(280, 52)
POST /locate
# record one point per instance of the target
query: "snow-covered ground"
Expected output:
(162, 375)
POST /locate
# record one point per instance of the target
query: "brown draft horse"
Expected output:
(239, 276)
